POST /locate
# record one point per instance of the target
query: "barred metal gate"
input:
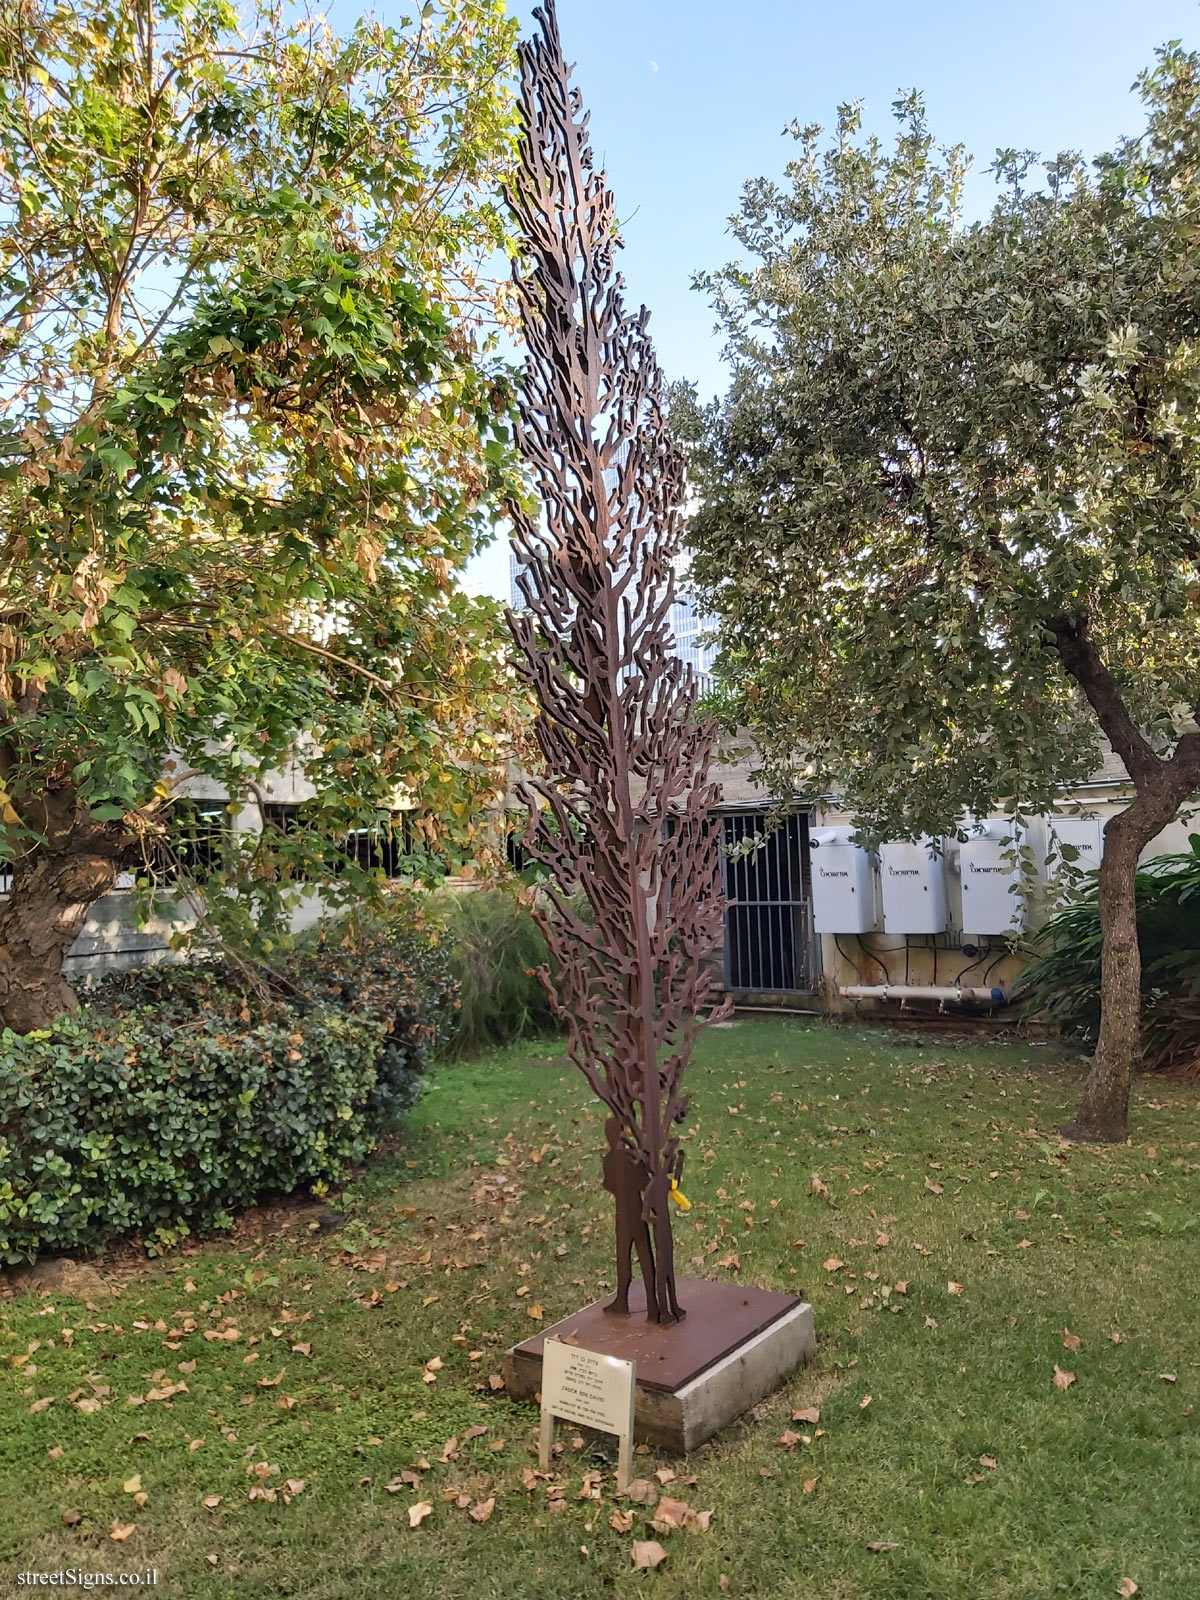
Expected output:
(768, 925)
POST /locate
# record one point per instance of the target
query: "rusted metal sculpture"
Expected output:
(622, 815)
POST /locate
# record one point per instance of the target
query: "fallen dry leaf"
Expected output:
(989, 1462)
(40, 1405)
(535, 1311)
(1167, 1377)
(954, 1288)
(669, 1514)
(648, 1553)
(809, 1485)
(697, 1521)
(483, 1510)
(876, 1545)
(167, 1392)
(833, 1264)
(1127, 1588)
(864, 1402)
(418, 1513)
(788, 1439)
(120, 1531)
(211, 1501)
(72, 1517)
(642, 1492)
(133, 1485)
(621, 1521)
(807, 1414)
(934, 1188)
(1070, 1340)
(1062, 1380)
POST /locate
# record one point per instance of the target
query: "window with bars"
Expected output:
(373, 849)
(768, 940)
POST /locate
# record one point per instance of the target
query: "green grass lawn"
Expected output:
(969, 1238)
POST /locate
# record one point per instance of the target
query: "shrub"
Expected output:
(1063, 982)
(180, 1094)
(398, 971)
(394, 972)
(146, 1124)
(495, 949)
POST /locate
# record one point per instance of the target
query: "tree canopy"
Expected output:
(249, 425)
(951, 502)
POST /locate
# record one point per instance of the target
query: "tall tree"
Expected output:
(621, 814)
(246, 430)
(952, 500)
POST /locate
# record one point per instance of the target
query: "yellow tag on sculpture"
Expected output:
(680, 1199)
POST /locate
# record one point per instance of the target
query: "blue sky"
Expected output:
(689, 97)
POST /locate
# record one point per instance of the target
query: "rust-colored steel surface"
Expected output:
(621, 815)
(724, 1318)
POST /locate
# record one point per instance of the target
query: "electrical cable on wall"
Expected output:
(882, 965)
(975, 962)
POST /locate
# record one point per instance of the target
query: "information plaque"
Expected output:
(592, 1390)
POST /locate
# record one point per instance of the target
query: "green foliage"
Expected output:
(181, 1094)
(395, 969)
(251, 429)
(152, 1128)
(495, 949)
(955, 461)
(1063, 981)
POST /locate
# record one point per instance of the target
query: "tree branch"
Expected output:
(1082, 661)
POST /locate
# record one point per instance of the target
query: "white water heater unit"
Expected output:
(912, 878)
(1083, 837)
(843, 883)
(989, 867)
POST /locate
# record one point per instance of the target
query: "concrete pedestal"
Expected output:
(734, 1346)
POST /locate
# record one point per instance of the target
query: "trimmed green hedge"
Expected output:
(179, 1095)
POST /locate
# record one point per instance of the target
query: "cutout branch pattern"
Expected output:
(622, 815)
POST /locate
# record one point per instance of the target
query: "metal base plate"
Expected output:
(720, 1317)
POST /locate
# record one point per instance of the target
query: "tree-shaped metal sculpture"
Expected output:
(622, 815)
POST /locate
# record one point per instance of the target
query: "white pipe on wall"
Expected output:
(916, 991)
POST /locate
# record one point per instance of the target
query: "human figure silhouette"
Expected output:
(626, 1182)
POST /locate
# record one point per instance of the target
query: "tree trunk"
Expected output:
(1103, 1116)
(1162, 785)
(1104, 1111)
(52, 893)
